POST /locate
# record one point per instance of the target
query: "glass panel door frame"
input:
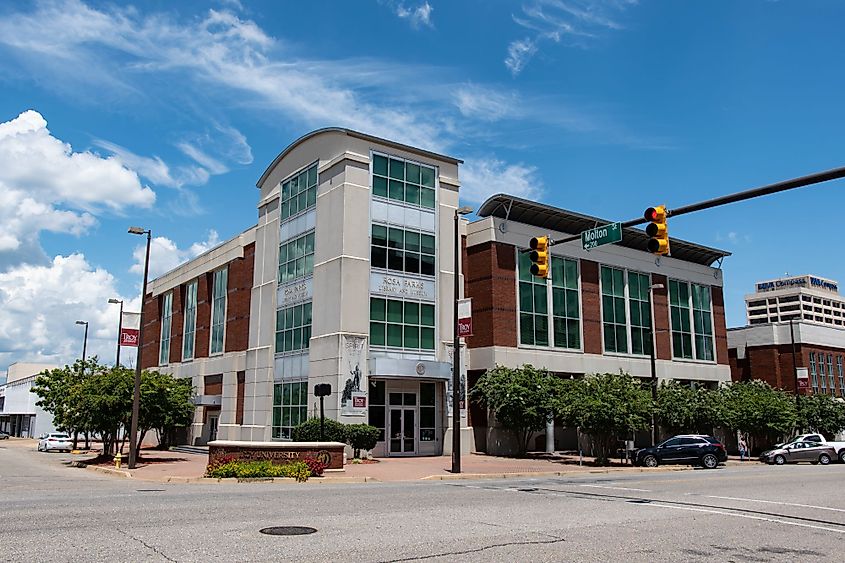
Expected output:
(402, 441)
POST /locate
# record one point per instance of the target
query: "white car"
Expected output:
(55, 441)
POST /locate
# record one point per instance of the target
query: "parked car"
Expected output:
(839, 447)
(798, 451)
(3, 436)
(55, 441)
(689, 449)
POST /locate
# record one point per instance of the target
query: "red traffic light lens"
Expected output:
(650, 214)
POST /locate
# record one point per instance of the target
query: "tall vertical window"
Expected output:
(533, 305)
(296, 258)
(691, 316)
(401, 324)
(841, 376)
(702, 322)
(565, 310)
(813, 373)
(190, 320)
(614, 321)
(166, 318)
(679, 311)
(822, 378)
(218, 310)
(428, 412)
(402, 250)
(639, 306)
(293, 328)
(290, 408)
(377, 407)
(832, 383)
(299, 192)
(402, 180)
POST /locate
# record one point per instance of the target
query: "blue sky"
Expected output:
(165, 114)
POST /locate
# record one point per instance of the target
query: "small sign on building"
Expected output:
(130, 326)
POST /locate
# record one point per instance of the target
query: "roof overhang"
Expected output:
(552, 218)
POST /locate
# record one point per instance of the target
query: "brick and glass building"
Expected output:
(594, 313)
(795, 317)
(347, 279)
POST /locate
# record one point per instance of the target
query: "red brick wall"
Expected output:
(213, 384)
(773, 364)
(152, 332)
(177, 324)
(591, 304)
(491, 282)
(720, 331)
(663, 334)
(239, 294)
(203, 331)
(239, 404)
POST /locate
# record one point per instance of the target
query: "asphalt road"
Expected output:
(49, 512)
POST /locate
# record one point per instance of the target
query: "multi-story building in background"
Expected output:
(795, 338)
(19, 415)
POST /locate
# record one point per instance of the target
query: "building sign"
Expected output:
(465, 317)
(803, 376)
(359, 400)
(800, 281)
(295, 293)
(130, 326)
(393, 285)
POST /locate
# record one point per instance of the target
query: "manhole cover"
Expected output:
(287, 530)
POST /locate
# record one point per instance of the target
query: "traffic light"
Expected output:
(658, 242)
(539, 256)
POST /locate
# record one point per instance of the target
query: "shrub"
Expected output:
(241, 469)
(316, 466)
(361, 437)
(309, 431)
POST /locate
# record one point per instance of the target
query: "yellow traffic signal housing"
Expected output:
(658, 242)
(539, 256)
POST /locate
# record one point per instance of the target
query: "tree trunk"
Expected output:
(75, 438)
(141, 436)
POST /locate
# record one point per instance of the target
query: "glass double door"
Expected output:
(402, 423)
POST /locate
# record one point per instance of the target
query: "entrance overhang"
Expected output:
(396, 368)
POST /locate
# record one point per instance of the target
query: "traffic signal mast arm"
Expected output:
(817, 178)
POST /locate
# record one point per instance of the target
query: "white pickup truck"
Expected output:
(838, 446)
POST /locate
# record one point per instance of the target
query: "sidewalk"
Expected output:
(165, 466)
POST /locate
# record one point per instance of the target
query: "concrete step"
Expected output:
(202, 450)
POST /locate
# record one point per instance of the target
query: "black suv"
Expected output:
(690, 449)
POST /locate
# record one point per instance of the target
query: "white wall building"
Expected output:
(19, 415)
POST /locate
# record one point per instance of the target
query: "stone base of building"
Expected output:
(467, 441)
(330, 453)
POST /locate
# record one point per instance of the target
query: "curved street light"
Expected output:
(136, 396)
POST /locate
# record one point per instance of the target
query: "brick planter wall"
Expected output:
(330, 453)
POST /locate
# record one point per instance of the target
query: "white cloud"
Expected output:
(555, 20)
(165, 255)
(486, 104)
(417, 16)
(46, 186)
(152, 168)
(41, 304)
(486, 176)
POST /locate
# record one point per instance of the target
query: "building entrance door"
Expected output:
(212, 427)
(402, 431)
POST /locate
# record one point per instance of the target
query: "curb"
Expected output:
(528, 474)
(107, 471)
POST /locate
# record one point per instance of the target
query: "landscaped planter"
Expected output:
(330, 453)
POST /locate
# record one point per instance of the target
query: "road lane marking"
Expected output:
(748, 516)
(617, 488)
(775, 502)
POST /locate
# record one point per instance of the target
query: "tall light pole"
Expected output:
(651, 289)
(136, 396)
(119, 328)
(84, 341)
(456, 350)
(794, 361)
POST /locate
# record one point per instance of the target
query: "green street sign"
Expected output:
(606, 234)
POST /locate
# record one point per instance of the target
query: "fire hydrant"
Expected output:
(117, 459)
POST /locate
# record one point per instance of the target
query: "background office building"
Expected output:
(346, 279)
(798, 317)
(594, 313)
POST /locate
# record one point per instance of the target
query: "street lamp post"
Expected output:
(794, 361)
(119, 328)
(84, 341)
(136, 396)
(651, 289)
(456, 351)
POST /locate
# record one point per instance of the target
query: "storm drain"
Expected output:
(287, 530)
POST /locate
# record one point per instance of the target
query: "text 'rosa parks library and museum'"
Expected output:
(347, 279)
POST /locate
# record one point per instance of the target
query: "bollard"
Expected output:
(117, 460)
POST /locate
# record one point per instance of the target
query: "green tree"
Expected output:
(758, 410)
(681, 408)
(609, 407)
(361, 437)
(309, 431)
(521, 399)
(821, 413)
(165, 406)
(59, 391)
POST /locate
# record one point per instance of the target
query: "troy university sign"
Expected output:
(130, 325)
(465, 317)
